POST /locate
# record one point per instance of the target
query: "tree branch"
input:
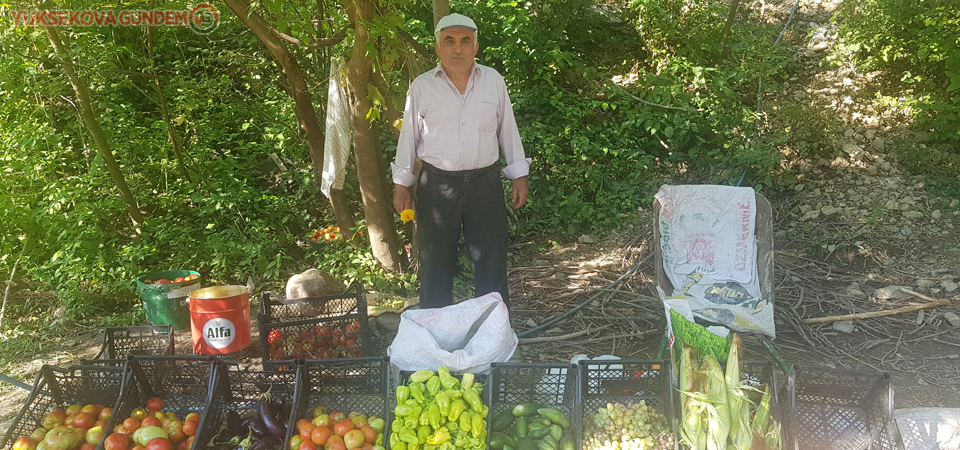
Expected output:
(676, 108)
(316, 44)
(421, 49)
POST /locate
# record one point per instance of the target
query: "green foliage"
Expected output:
(938, 163)
(586, 80)
(917, 41)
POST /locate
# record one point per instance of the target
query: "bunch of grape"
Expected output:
(627, 427)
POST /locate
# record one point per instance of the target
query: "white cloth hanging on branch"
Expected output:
(338, 129)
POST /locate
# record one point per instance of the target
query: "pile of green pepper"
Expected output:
(529, 426)
(437, 411)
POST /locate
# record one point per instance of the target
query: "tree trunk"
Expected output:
(163, 106)
(373, 181)
(302, 99)
(440, 8)
(93, 126)
(731, 17)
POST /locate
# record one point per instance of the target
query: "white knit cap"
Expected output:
(454, 20)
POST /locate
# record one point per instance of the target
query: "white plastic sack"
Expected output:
(709, 249)
(464, 337)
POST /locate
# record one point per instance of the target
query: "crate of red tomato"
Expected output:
(325, 327)
(68, 409)
(163, 404)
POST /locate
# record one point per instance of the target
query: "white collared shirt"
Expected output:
(453, 131)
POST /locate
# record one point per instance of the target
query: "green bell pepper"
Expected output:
(443, 402)
(448, 381)
(433, 386)
(457, 407)
(403, 393)
(439, 437)
(473, 398)
(433, 416)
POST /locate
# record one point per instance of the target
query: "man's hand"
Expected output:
(520, 190)
(401, 198)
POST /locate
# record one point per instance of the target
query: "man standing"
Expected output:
(457, 120)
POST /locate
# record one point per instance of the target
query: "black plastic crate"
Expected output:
(627, 382)
(345, 385)
(182, 382)
(121, 342)
(351, 301)
(549, 385)
(840, 410)
(345, 336)
(236, 397)
(57, 388)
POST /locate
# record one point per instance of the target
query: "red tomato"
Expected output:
(319, 435)
(159, 443)
(369, 434)
(307, 445)
(116, 441)
(131, 424)
(336, 441)
(154, 404)
(179, 280)
(162, 281)
(150, 422)
(190, 427)
(306, 429)
(83, 420)
(342, 427)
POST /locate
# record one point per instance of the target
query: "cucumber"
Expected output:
(521, 426)
(555, 415)
(526, 409)
(567, 443)
(556, 432)
(502, 421)
(537, 431)
(499, 440)
(526, 444)
(541, 420)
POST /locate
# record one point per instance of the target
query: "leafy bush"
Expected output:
(919, 41)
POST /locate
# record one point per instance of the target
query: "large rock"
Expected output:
(313, 283)
(892, 292)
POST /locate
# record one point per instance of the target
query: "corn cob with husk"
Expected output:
(716, 411)
(692, 430)
(741, 437)
(714, 394)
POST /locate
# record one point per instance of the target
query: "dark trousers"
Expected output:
(448, 203)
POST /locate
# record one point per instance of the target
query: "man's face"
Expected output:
(456, 48)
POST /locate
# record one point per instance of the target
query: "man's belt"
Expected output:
(465, 175)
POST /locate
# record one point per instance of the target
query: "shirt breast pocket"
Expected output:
(487, 117)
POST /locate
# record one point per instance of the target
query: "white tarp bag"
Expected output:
(709, 248)
(464, 337)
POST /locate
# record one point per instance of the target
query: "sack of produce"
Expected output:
(465, 337)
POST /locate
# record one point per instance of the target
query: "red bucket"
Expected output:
(220, 319)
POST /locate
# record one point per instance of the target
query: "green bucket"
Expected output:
(165, 304)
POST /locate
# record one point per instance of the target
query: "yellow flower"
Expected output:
(406, 215)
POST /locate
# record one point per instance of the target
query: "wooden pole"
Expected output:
(905, 309)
